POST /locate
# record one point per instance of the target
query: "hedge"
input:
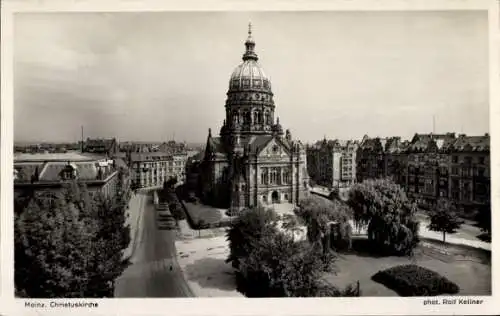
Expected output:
(413, 280)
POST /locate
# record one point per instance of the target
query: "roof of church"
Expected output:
(249, 74)
(254, 143)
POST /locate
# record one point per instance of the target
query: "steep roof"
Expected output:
(472, 143)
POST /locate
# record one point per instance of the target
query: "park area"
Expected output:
(461, 266)
(469, 268)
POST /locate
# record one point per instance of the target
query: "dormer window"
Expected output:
(68, 173)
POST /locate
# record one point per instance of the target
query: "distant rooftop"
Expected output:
(68, 156)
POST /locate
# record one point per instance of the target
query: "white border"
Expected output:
(236, 306)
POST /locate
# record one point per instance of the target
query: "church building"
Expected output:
(253, 161)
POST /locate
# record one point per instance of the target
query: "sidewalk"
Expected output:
(201, 256)
(134, 216)
(450, 239)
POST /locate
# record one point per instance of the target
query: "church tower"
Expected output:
(249, 104)
(253, 161)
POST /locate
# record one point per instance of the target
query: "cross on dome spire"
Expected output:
(250, 45)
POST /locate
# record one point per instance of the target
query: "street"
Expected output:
(150, 273)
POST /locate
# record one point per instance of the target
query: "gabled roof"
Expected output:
(371, 144)
(215, 147)
(85, 171)
(107, 144)
(471, 143)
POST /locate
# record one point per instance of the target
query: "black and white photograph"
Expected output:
(252, 154)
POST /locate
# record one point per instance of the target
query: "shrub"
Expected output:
(325, 289)
(413, 280)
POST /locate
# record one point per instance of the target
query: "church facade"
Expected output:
(253, 161)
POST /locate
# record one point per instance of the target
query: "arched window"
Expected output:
(263, 176)
(278, 176)
(248, 118)
(274, 176)
(259, 117)
(256, 117)
(286, 176)
(235, 117)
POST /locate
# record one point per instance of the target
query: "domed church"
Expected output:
(253, 161)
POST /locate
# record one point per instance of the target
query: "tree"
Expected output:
(250, 226)
(384, 207)
(52, 247)
(292, 224)
(319, 214)
(69, 245)
(111, 237)
(444, 218)
(279, 267)
(271, 264)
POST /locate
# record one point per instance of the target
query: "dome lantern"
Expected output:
(250, 45)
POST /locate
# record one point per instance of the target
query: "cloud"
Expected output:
(344, 74)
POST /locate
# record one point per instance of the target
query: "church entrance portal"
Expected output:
(275, 197)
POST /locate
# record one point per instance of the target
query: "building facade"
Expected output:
(332, 163)
(253, 161)
(46, 173)
(152, 169)
(432, 166)
(108, 147)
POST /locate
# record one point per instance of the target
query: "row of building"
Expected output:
(429, 166)
(97, 163)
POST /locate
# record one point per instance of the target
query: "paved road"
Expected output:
(149, 275)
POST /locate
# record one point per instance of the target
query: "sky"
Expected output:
(164, 75)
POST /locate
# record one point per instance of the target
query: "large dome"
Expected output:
(249, 76)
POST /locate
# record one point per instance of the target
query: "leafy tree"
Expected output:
(271, 264)
(69, 245)
(279, 267)
(249, 227)
(444, 218)
(111, 237)
(292, 224)
(390, 216)
(319, 214)
(52, 247)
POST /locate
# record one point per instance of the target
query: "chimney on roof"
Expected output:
(487, 134)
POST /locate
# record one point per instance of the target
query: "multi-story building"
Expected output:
(428, 161)
(47, 173)
(152, 169)
(332, 163)
(431, 166)
(470, 171)
(108, 147)
(370, 159)
(395, 159)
